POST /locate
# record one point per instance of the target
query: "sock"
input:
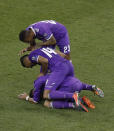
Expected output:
(87, 87)
(60, 95)
(61, 104)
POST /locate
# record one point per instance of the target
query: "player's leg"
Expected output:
(57, 77)
(97, 91)
(51, 86)
(79, 86)
(59, 104)
(82, 86)
(64, 105)
(62, 95)
(72, 84)
(53, 82)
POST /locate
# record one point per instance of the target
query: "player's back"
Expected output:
(49, 23)
(48, 53)
(56, 28)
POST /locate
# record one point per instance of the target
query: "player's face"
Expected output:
(28, 63)
(29, 36)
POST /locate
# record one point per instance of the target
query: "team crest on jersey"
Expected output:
(36, 30)
(33, 58)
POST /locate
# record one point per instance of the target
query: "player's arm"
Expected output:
(39, 85)
(32, 47)
(37, 91)
(50, 41)
(44, 63)
(68, 57)
(26, 97)
(62, 54)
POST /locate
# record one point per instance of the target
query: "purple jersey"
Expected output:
(67, 85)
(53, 58)
(70, 84)
(44, 30)
(39, 85)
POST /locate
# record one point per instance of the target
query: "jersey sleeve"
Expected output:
(45, 32)
(39, 85)
(32, 28)
(33, 57)
(64, 49)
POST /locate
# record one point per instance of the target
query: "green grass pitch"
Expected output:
(90, 24)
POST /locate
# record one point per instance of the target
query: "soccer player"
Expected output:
(60, 69)
(69, 85)
(50, 32)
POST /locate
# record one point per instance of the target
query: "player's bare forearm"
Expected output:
(32, 46)
(63, 55)
(67, 56)
(44, 69)
(44, 63)
(33, 42)
(31, 100)
(60, 53)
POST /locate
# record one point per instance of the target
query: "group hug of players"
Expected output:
(56, 83)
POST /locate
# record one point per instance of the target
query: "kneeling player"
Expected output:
(64, 96)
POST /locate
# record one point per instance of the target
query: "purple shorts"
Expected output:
(61, 71)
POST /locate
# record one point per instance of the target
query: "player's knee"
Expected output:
(47, 103)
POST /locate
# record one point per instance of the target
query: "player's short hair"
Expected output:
(22, 60)
(22, 35)
(31, 93)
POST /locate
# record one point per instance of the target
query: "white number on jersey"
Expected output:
(66, 49)
(49, 21)
(48, 51)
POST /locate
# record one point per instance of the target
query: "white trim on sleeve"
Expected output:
(33, 30)
(37, 58)
(50, 37)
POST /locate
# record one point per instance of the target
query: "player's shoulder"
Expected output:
(33, 56)
(35, 52)
(34, 25)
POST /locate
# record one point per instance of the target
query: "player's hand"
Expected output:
(41, 74)
(22, 96)
(22, 51)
